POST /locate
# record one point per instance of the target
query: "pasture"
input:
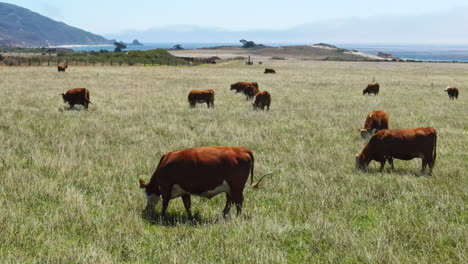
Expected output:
(69, 188)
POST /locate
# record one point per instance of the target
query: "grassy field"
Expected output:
(69, 179)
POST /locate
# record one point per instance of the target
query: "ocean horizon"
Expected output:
(418, 52)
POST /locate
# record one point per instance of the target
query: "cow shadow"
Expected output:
(173, 219)
(70, 108)
(396, 171)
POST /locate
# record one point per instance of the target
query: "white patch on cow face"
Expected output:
(223, 188)
(364, 134)
(177, 191)
(151, 201)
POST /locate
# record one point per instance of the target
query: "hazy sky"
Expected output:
(113, 16)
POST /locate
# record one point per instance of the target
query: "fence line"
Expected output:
(33, 61)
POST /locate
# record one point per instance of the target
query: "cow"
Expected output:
(240, 86)
(77, 96)
(269, 71)
(404, 144)
(262, 100)
(452, 92)
(203, 171)
(375, 121)
(201, 96)
(61, 68)
(371, 88)
(250, 92)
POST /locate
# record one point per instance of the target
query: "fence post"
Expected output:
(102, 62)
(48, 62)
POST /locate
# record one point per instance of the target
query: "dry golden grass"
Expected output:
(68, 179)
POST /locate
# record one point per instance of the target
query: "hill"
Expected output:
(20, 27)
(301, 52)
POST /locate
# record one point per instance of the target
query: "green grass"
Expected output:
(68, 179)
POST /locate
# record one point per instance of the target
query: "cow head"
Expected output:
(153, 195)
(233, 87)
(64, 97)
(361, 163)
(364, 91)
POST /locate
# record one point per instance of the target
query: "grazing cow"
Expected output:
(205, 172)
(77, 96)
(375, 121)
(201, 96)
(61, 68)
(250, 92)
(269, 71)
(404, 144)
(240, 86)
(371, 88)
(452, 92)
(261, 100)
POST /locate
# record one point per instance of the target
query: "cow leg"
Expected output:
(165, 204)
(227, 208)
(86, 106)
(390, 161)
(238, 199)
(187, 204)
(382, 164)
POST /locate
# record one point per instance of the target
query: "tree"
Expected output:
(119, 46)
(178, 47)
(247, 44)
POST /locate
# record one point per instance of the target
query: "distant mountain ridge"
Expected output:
(20, 27)
(444, 27)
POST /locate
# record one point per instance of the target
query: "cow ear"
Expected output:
(143, 184)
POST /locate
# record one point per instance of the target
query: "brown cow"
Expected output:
(269, 71)
(61, 68)
(201, 96)
(371, 88)
(250, 92)
(240, 86)
(404, 144)
(205, 172)
(261, 100)
(77, 96)
(452, 92)
(375, 121)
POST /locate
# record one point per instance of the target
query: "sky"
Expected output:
(113, 16)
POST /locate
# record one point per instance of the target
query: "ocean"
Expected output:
(442, 53)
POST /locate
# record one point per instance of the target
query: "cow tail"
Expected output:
(254, 185)
(434, 154)
(87, 97)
